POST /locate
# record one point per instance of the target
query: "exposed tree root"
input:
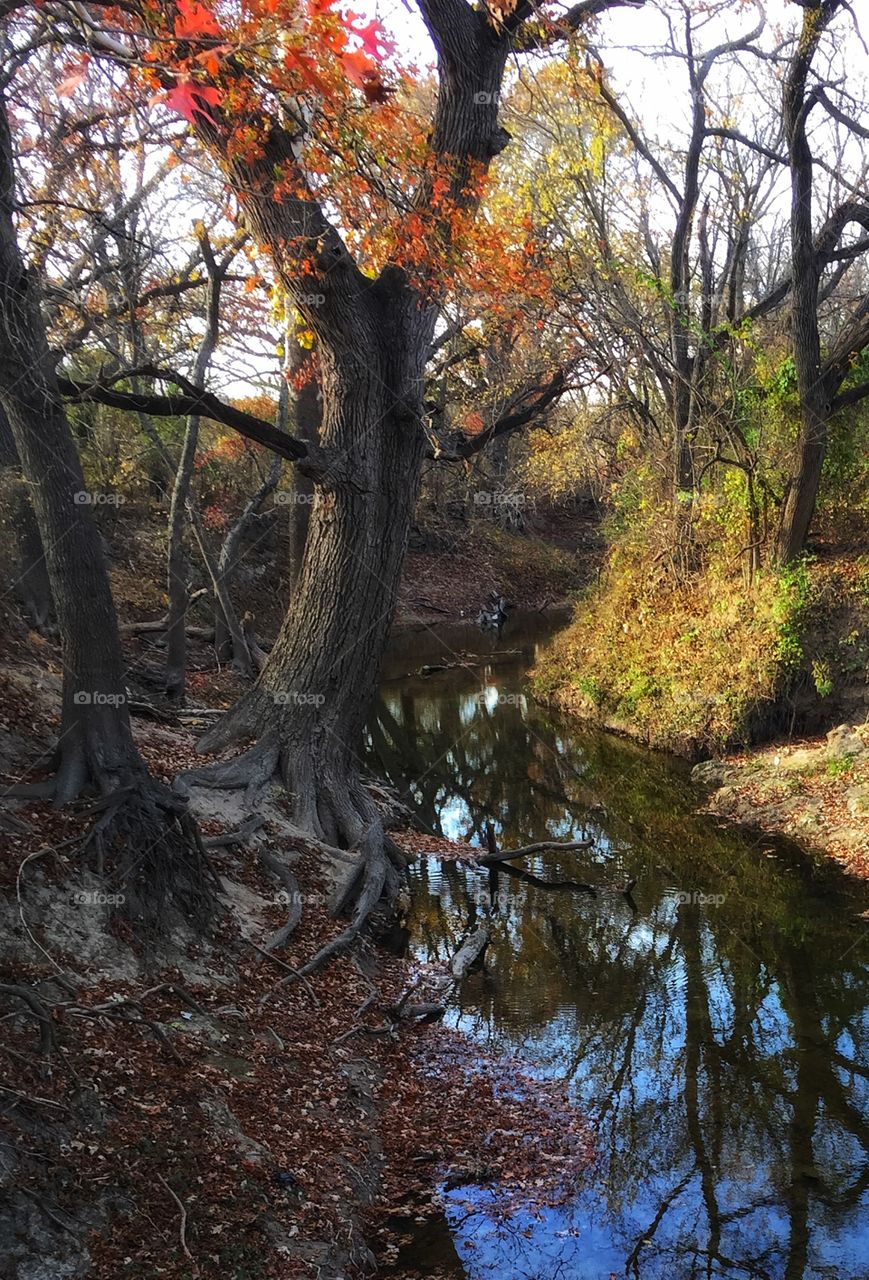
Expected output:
(248, 828)
(148, 848)
(251, 771)
(39, 1011)
(293, 898)
(332, 810)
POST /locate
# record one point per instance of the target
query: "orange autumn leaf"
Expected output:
(194, 21)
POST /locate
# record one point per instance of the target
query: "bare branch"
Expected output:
(191, 400)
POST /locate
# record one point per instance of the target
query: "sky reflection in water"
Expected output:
(716, 1037)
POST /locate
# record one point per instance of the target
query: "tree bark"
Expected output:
(307, 425)
(308, 708)
(31, 582)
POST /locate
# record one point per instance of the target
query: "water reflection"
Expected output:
(715, 1031)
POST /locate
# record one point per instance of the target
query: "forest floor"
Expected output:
(211, 1115)
(217, 1117)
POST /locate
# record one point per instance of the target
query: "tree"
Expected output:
(141, 824)
(272, 100)
(819, 380)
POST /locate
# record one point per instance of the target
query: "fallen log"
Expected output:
(470, 952)
(509, 855)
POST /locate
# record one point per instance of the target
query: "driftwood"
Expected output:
(470, 951)
(493, 858)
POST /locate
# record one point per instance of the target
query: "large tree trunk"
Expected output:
(139, 832)
(309, 705)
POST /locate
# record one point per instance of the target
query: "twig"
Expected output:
(182, 1226)
(39, 1011)
(41, 1102)
(288, 968)
(52, 1217)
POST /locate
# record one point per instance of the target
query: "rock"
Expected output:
(843, 741)
(799, 761)
(711, 773)
(857, 799)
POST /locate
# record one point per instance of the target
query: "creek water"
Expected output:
(713, 1027)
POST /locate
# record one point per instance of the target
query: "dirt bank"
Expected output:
(449, 574)
(815, 790)
(214, 1116)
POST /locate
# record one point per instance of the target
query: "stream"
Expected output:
(713, 1029)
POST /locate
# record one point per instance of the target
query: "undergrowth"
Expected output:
(707, 662)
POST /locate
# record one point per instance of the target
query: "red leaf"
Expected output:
(374, 40)
(187, 98)
(194, 21)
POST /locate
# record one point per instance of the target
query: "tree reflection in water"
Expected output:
(716, 1036)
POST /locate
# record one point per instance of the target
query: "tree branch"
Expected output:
(562, 27)
(838, 114)
(850, 397)
(467, 446)
(189, 401)
(735, 136)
